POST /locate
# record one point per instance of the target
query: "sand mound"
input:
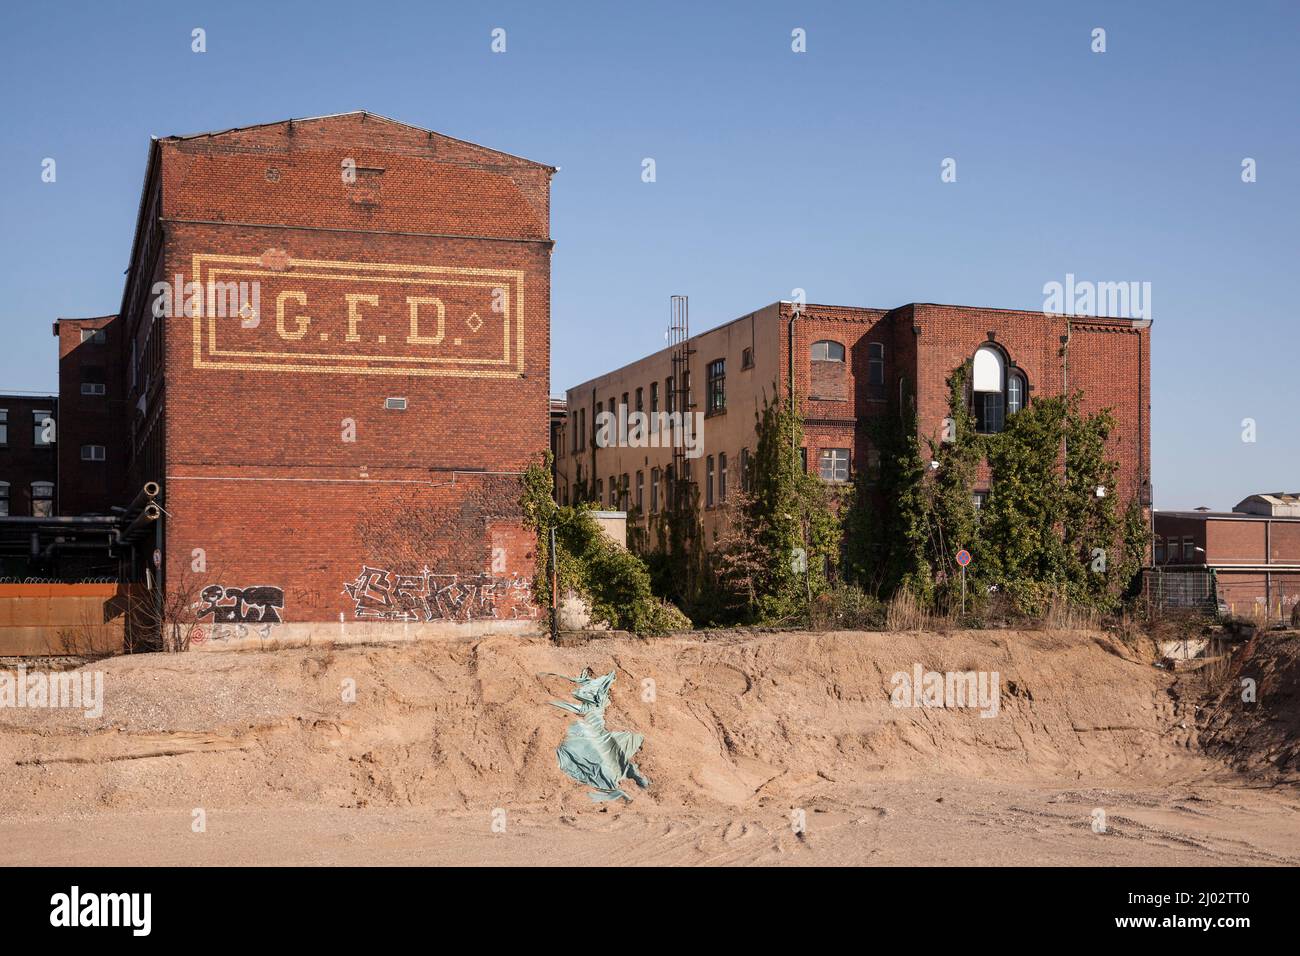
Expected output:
(1259, 735)
(734, 721)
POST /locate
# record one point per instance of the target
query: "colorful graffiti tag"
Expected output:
(382, 595)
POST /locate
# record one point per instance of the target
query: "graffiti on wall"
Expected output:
(382, 595)
(259, 604)
(225, 633)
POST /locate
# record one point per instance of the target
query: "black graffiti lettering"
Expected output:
(259, 604)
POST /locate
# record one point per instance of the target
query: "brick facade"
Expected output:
(888, 355)
(346, 438)
(1254, 559)
(27, 458)
(92, 447)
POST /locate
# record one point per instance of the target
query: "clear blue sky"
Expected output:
(775, 170)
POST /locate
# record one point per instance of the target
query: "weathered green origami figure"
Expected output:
(591, 754)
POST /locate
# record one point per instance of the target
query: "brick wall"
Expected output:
(93, 407)
(24, 461)
(281, 464)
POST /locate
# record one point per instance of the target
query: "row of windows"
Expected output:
(42, 427)
(42, 499)
(1176, 550)
(833, 465)
(715, 398)
(827, 350)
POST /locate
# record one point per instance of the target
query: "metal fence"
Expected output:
(1181, 590)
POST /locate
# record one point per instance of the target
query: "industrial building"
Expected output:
(1245, 562)
(329, 365)
(848, 365)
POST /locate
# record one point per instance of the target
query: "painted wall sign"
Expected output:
(365, 318)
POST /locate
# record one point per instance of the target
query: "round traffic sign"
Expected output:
(963, 557)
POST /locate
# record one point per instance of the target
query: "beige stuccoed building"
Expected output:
(733, 369)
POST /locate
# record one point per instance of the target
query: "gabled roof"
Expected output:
(363, 113)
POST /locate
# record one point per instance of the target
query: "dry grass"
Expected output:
(905, 612)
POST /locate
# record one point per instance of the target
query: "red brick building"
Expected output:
(28, 465)
(334, 343)
(1247, 560)
(92, 447)
(849, 365)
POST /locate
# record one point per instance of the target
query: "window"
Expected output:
(873, 464)
(708, 482)
(640, 485)
(654, 490)
(4, 428)
(42, 428)
(42, 499)
(613, 492)
(395, 404)
(600, 491)
(744, 469)
(670, 398)
(624, 486)
(988, 381)
(803, 459)
(717, 386)
(1189, 549)
(624, 400)
(834, 464)
(94, 336)
(1015, 392)
(876, 364)
(4, 499)
(722, 477)
(989, 417)
(979, 499)
(640, 399)
(654, 397)
(92, 453)
(1160, 550)
(92, 388)
(746, 359)
(827, 351)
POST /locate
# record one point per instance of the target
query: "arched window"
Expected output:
(827, 351)
(1015, 392)
(996, 390)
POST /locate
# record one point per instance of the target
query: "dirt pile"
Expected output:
(1250, 718)
(729, 722)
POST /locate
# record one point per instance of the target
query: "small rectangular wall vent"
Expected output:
(395, 404)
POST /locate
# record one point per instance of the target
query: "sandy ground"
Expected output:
(447, 756)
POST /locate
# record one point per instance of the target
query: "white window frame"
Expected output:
(839, 463)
